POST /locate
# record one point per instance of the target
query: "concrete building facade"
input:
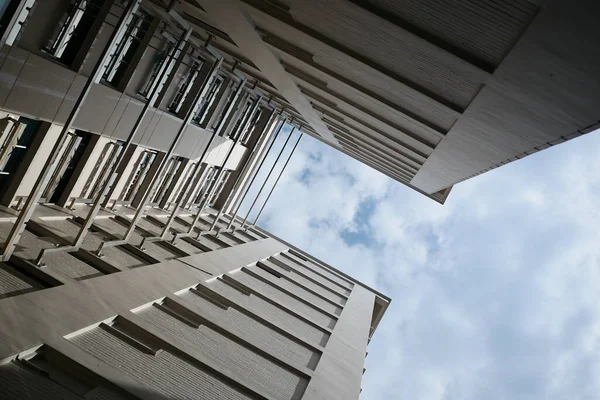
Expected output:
(429, 93)
(132, 130)
(128, 140)
(255, 318)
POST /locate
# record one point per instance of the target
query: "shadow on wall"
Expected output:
(34, 379)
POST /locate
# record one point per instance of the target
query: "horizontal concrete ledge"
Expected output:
(27, 320)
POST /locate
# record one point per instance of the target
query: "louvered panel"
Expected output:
(424, 67)
(353, 73)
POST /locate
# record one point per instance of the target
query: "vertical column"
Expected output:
(338, 375)
(149, 179)
(277, 180)
(176, 183)
(254, 145)
(38, 187)
(262, 187)
(137, 56)
(255, 162)
(91, 147)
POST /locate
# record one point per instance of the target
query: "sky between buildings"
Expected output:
(495, 295)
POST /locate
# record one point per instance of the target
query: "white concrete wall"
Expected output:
(38, 161)
(217, 155)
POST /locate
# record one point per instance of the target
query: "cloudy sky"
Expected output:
(495, 294)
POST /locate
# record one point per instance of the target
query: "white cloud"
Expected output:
(495, 294)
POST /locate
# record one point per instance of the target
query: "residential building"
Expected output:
(243, 316)
(132, 130)
(429, 92)
(128, 142)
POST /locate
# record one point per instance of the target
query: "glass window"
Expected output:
(251, 125)
(162, 61)
(207, 182)
(137, 176)
(207, 101)
(241, 118)
(185, 85)
(219, 188)
(126, 47)
(230, 98)
(73, 30)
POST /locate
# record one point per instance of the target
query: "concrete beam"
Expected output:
(286, 18)
(227, 16)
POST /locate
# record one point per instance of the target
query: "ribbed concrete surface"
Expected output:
(310, 272)
(272, 313)
(163, 373)
(21, 383)
(257, 369)
(210, 242)
(12, 282)
(297, 290)
(280, 344)
(228, 239)
(284, 299)
(113, 255)
(187, 247)
(235, 238)
(297, 277)
(116, 256)
(70, 266)
(486, 29)
(30, 246)
(321, 270)
(246, 236)
(201, 223)
(115, 228)
(159, 252)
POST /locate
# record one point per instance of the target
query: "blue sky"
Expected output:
(495, 294)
